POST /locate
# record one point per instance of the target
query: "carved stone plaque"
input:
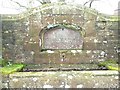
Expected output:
(62, 39)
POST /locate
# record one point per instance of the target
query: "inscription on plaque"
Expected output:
(62, 39)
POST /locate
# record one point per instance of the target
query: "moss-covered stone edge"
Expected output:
(8, 67)
(110, 64)
(11, 68)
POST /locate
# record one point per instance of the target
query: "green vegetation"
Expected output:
(8, 67)
(110, 64)
(113, 67)
(11, 68)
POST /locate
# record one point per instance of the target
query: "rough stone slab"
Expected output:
(67, 67)
(63, 79)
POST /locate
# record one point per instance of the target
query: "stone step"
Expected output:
(65, 79)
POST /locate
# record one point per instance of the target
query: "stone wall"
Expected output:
(0, 38)
(13, 35)
(21, 37)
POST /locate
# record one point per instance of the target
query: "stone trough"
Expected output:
(56, 41)
(64, 79)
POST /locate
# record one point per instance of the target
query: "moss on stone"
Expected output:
(107, 62)
(67, 26)
(113, 67)
(11, 68)
(64, 25)
(110, 64)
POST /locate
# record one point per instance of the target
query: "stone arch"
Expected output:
(68, 13)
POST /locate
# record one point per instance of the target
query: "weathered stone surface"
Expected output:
(72, 79)
(70, 57)
(21, 38)
(62, 39)
(4, 81)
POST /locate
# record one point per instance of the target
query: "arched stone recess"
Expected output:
(61, 37)
(67, 13)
